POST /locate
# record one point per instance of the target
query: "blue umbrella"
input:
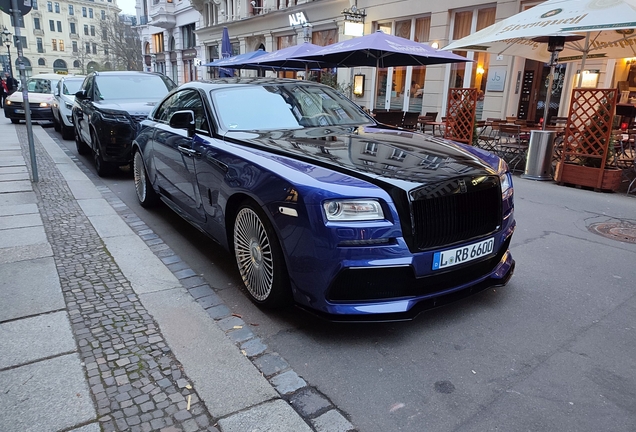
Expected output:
(226, 52)
(236, 60)
(381, 50)
(286, 58)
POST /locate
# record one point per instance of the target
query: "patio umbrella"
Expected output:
(381, 50)
(288, 58)
(607, 28)
(226, 52)
(236, 60)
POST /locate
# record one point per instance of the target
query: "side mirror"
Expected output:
(56, 91)
(183, 120)
(81, 95)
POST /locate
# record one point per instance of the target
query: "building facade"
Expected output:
(509, 86)
(169, 42)
(61, 36)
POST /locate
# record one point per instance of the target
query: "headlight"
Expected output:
(506, 184)
(68, 106)
(8, 102)
(353, 210)
(45, 105)
(114, 116)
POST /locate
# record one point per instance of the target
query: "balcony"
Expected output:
(74, 36)
(162, 15)
(38, 32)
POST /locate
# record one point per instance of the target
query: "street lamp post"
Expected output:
(6, 39)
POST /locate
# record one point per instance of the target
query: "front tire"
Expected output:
(259, 258)
(146, 195)
(56, 124)
(15, 121)
(81, 146)
(67, 132)
(102, 167)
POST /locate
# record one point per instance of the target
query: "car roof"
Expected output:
(47, 76)
(99, 73)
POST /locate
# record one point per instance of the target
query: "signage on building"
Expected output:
(496, 78)
(189, 54)
(298, 19)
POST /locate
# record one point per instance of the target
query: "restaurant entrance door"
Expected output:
(534, 89)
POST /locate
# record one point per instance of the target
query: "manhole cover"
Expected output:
(621, 231)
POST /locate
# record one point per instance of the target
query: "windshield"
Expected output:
(284, 106)
(134, 86)
(70, 87)
(41, 85)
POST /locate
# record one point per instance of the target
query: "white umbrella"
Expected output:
(606, 25)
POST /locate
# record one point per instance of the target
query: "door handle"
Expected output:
(188, 151)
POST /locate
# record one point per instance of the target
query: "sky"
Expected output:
(127, 6)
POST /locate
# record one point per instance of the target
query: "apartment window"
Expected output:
(189, 38)
(92, 30)
(103, 15)
(36, 23)
(59, 26)
(104, 34)
(54, 44)
(35, 5)
(71, 10)
(57, 7)
(20, 22)
(41, 62)
(84, 12)
(72, 27)
(158, 42)
(86, 29)
(88, 48)
(40, 45)
(94, 48)
(76, 64)
(90, 12)
(49, 6)
(22, 41)
(74, 43)
(105, 49)
(61, 42)
(52, 25)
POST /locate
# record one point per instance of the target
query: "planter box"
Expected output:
(588, 176)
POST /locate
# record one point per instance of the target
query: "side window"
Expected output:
(88, 86)
(191, 100)
(166, 109)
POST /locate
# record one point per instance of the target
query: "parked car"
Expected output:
(62, 105)
(40, 93)
(352, 219)
(107, 111)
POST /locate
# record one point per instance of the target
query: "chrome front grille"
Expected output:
(455, 211)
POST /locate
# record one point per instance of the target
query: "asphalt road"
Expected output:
(555, 350)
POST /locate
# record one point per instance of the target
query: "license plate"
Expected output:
(453, 257)
(19, 111)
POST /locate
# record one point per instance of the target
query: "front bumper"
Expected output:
(37, 113)
(115, 140)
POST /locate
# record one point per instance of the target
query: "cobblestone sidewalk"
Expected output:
(135, 381)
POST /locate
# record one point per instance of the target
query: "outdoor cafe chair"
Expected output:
(488, 136)
(511, 145)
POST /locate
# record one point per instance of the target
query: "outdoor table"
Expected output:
(439, 126)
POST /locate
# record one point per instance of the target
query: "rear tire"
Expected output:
(146, 195)
(259, 258)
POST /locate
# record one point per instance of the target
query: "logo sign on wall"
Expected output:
(496, 78)
(24, 6)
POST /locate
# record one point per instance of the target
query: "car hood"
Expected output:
(134, 107)
(33, 97)
(401, 158)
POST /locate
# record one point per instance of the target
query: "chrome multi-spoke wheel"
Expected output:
(259, 259)
(145, 194)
